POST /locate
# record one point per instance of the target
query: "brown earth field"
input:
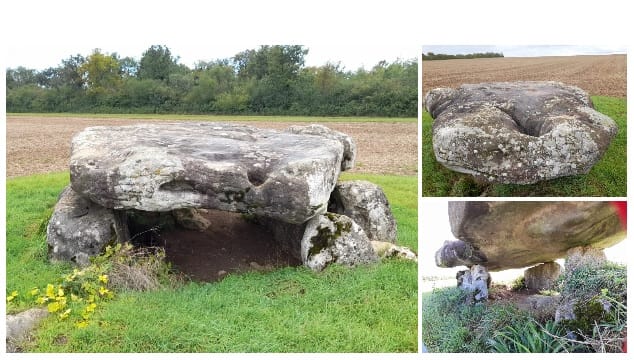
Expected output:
(603, 75)
(42, 144)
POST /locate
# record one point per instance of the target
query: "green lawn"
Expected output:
(362, 309)
(222, 117)
(607, 178)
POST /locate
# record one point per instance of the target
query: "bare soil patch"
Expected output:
(603, 75)
(42, 144)
(231, 245)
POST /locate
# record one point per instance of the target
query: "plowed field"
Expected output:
(42, 144)
(603, 75)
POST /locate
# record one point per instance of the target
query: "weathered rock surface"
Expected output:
(366, 204)
(543, 276)
(457, 252)
(586, 256)
(542, 307)
(19, 326)
(475, 280)
(386, 250)
(334, 238)
(79, 228)
(516, 234)
(192, 219)
(239, 168)
(517, 133)
(349, 147)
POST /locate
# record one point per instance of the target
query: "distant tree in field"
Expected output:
(101, 72)
(156, 63)
(21, 76)
(431, 56)
(275, 74)
(128, 67)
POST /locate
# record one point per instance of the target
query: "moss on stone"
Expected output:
(587, 313)
(326, 237)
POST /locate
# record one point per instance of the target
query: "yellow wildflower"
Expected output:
(50, 291)
(65, 314)
(13, 295)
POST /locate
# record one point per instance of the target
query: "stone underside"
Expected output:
(517, 133)
(510, 234)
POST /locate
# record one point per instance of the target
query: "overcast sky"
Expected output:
(39, 34)
(528, 50)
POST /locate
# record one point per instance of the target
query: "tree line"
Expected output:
(270, 80)
(431, 56)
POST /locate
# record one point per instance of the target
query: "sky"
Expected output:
(40, 34)
(435, 229)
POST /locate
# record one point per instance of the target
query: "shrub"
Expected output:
(518, 284)
(599, 298)
(587, 282)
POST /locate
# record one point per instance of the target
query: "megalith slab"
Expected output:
(517, 132)
(349, 147)
(515, 234)
(238, 168)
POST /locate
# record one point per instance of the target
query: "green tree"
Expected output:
(101, 72)
(276, 70)
(21, 76)
(156, 63)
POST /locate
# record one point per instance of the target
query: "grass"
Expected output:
(324, 119)
(450, 325)
(608, 177)
(364, 309)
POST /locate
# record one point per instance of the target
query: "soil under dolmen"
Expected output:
(517, 132)
(230, 244)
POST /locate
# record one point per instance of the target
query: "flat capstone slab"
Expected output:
(517, 132)
(230, 167)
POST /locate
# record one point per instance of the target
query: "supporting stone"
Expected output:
(584, 256)
(333, 238)
(476, 280)
(543, 276)
(79, 229)
(366, 204)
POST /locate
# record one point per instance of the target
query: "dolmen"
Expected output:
(501, 235)
(517, 132)
(284, 179)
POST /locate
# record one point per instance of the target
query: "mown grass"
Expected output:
(608, 177)
(364, 309)
(319, 119)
